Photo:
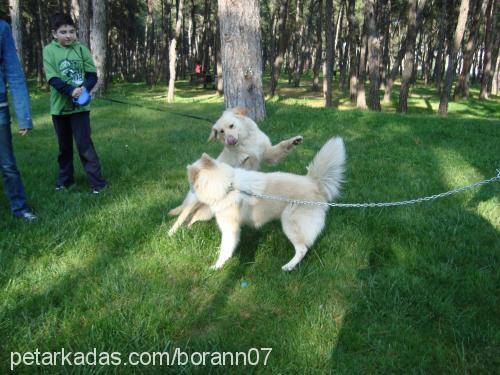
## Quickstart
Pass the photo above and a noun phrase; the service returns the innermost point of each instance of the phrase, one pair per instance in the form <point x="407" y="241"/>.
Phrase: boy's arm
<point x="61" y="86"/>
<point x="90" y="80"/>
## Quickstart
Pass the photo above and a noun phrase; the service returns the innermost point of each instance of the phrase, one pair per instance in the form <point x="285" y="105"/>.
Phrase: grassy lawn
<point x="410" y="289"/>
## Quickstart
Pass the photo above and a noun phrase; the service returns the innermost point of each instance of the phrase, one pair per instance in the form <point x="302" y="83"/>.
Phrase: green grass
<point x="394" y="290"/>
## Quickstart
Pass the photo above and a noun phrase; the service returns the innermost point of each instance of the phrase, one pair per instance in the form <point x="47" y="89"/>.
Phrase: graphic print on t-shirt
<point x="72" y="69"/>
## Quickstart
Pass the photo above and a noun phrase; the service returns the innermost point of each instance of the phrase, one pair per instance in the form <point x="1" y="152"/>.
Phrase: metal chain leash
<point x="379" y="204"/>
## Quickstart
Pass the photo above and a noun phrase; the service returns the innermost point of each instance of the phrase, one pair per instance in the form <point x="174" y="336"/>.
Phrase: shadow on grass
<point x="424" y="302"/>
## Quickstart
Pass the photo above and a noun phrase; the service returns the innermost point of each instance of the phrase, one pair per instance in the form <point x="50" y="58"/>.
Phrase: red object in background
<point x="197" y="69"/>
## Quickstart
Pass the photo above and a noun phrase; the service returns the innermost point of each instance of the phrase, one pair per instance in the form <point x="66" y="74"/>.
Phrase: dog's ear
<point x="213" y="135"/>
<point x="207" y="162"/>
<point x="241" y="111"/>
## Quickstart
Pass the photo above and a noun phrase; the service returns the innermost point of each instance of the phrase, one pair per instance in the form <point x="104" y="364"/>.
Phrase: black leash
<point x="157" y="109"/>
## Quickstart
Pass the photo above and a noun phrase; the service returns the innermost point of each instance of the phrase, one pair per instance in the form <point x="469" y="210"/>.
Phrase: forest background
<point x="357" y="46"/>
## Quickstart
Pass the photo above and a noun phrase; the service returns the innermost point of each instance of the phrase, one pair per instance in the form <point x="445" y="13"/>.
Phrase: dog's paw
<point x="297" y="140"/>
<point x="174" y="212"/>
<point x="172" y="231"/>
<point x="216" y="267"/>
<point x="288" y="267"/>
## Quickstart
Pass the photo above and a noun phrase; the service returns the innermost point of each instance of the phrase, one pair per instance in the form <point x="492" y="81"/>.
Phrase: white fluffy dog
<point x="245" y="146"/>
<point x="228" y="192"/>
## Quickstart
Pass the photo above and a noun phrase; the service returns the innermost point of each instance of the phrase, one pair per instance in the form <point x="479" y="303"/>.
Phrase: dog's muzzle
<point x="231" y="141"/>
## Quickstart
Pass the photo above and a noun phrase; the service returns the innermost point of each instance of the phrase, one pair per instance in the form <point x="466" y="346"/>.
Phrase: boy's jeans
<point x="13" y="185"/>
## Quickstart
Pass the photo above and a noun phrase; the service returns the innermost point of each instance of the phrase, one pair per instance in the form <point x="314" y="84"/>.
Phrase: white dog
<point x="228" y="192"/>
<point x="245" y="146"/>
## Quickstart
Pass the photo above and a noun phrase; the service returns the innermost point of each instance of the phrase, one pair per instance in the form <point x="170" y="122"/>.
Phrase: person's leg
<point x="12" y="179"/>
<point x="80" y="123"/>
<point x="62" y="126"/>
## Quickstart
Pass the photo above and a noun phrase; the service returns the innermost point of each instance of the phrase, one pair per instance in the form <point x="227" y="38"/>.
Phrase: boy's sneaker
<point x="29" y="216"/>
<point x="62" y="187"/>
<point x="98" y="190"/>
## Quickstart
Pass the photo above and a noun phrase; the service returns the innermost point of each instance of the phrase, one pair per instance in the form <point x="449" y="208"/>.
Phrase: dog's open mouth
<point x="231" y="141"/>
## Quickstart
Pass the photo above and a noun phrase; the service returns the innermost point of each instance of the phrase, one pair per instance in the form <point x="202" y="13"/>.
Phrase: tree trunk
<point x="319" y="47"/>
<point x="149" y="50"/>
<point x="327" y="75"/>
<point x="457" y="41"/>
<point x="488" y="49"/>
<point x="418" y="57"/>
<point x="338" y="33"/>
<point x="385" y="24"/>
<point x="394" y="72"/>
<point x="204" y="49"/>
<point x="17" y="34"/>
<point x="300" y="50"/>
<point x="402" y="52"/>
<point x="492" y="88"/>
<point x="462" y="87"/>
<point x="353" y="66"/>
<point x="241" y="53"/>
<point x="84" y="22"/>
<point x="438" y="68"/>
<point x="360" y="87"/>
<point x="283" y="41"/>
<point x="173" y="52"/>
<point x="428" y="60"/>
<point x="41" y="41"/>
<point x="496" y="79"/>
<point x="218" y="57"/>
<point x="411" y="36"/>
<point x="98" y="43"/>
<point x="193" y="50"/>
<point x="373" y="53"/>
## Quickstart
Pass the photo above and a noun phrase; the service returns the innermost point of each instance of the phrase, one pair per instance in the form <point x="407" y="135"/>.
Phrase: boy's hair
<point x="61" y="19"/>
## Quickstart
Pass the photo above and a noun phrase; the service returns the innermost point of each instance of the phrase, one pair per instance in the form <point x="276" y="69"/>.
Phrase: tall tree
<point x="452" y="56"/>
<point x="15" y="16"/>
<point x="173" y="52"/>
<point x="488" y="48"/>
<point x="99" y="43"/>
<point x="443" y="23"/>
<point x="373" y="53"/>
<point x="241" y="54"/>
<point x="385" y="25"/>
<point x="409" y="60"/>
<point x="462" y="87"/>
<point x="150" y="44"/>
<point x="302" y="45"/>
<point x="84" y="22"/>
<point x="41" y="42"/>
<point x="283" y="41"/>
<point x="360" y="87"/>
<point x="353" y="66"/>
<point x="318" y="55"/>
<point x="218" y="59"/>
<point x="328" y="67"/>
<point x="396" y="65"/>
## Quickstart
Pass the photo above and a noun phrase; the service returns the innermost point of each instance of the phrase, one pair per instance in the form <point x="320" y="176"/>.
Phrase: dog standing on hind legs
<point x="245" y="146"/>
<point x="229" y="192"/>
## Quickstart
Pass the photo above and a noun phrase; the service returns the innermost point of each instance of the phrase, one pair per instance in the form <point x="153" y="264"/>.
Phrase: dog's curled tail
<point x="327" y="168"/>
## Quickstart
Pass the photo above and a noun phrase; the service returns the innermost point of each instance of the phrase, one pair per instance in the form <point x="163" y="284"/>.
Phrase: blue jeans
<point x="13" y="185"/>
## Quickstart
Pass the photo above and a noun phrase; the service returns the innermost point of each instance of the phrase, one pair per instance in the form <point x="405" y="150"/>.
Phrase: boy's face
<point x="65" y="35"/>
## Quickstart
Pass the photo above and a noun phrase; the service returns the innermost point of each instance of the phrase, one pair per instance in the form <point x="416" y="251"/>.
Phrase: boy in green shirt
<point x="70" y="70"/>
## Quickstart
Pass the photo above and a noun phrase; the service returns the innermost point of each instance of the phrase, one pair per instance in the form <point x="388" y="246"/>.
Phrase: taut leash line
<point x="378" y="204"/>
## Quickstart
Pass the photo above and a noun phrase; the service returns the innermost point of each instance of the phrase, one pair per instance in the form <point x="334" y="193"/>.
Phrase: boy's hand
<point x="24" y="132"/>
<point x="76" y="92"/>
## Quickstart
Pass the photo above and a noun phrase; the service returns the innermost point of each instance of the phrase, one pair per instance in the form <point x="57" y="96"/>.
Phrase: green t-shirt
<point x="69" y="64"/>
